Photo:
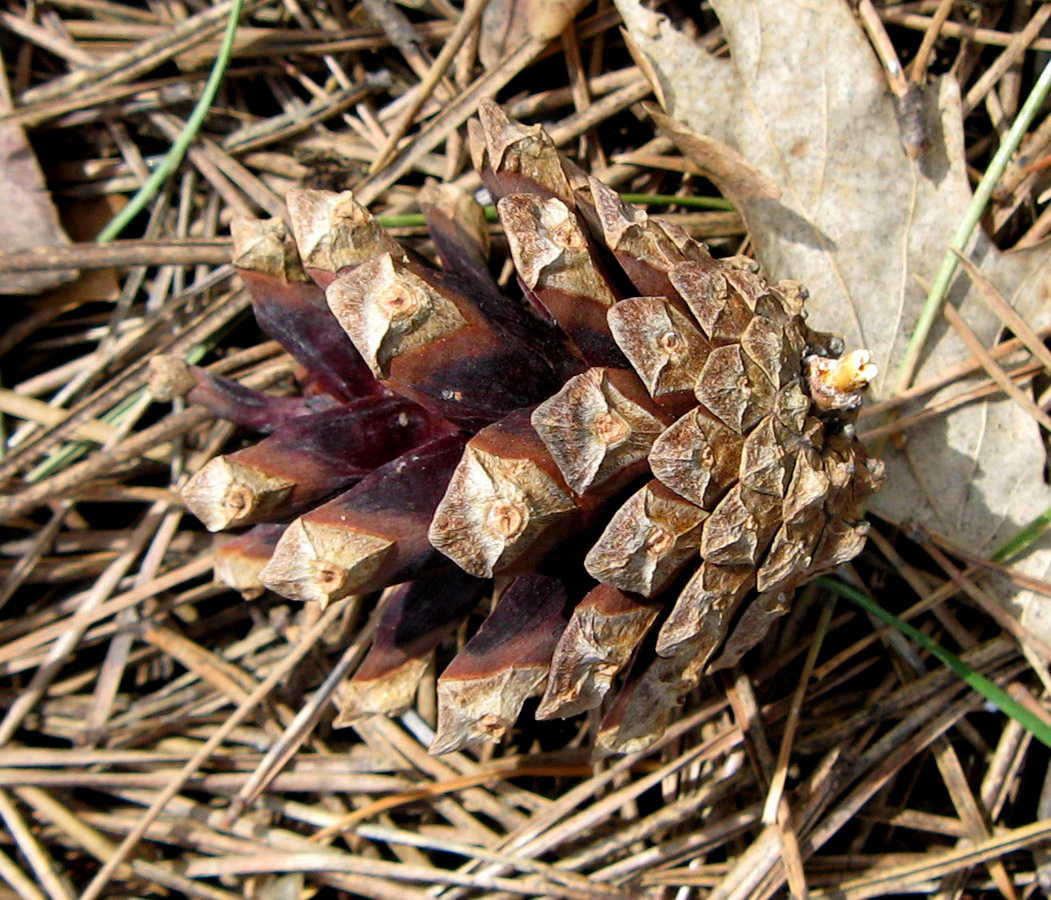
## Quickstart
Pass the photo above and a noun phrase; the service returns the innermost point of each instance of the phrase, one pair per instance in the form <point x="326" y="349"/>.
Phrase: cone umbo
<point x="646" y="446"/>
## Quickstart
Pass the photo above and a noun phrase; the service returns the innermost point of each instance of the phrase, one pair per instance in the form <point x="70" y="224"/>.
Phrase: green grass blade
<point x="978" y="682"/>
<point x="671" y="200"/>
<point x="66" y="454"/>
<point x="175" y="155"/>
<point x="1024" y="538"/>
<point x="940" y="286"/>
<point x="415" y="220"/>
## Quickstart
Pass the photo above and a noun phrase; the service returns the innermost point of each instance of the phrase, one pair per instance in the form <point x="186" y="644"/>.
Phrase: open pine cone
<point x="650" y="459"/>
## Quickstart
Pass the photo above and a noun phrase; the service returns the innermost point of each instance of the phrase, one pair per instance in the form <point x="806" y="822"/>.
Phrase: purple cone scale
<point x="630" y="458"/>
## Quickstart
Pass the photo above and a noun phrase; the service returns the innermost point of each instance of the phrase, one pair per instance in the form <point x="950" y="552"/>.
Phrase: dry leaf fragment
<point x="506" y="23"/>
<point x="802" y="100"/>
<point x="719" y="162"/>
<point x="30" y="218"/>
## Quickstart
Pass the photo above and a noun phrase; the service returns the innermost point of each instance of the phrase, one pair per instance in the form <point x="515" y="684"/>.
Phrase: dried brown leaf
<point x="804" y="101"/>
<point x="507" y="23"/>
<point x="30" y="218"/>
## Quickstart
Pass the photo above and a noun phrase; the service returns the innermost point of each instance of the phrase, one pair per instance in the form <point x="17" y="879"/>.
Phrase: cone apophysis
<point x="647" y="446"/>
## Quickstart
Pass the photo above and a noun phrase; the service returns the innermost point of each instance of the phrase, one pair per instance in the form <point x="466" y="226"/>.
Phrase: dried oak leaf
<point x="802" y="99"/>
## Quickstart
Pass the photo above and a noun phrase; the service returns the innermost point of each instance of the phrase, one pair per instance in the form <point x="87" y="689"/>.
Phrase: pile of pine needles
<point x="162" y="736"/>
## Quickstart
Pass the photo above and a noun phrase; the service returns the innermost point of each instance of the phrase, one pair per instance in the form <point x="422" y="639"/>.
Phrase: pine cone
<point x="653" y="446"/>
